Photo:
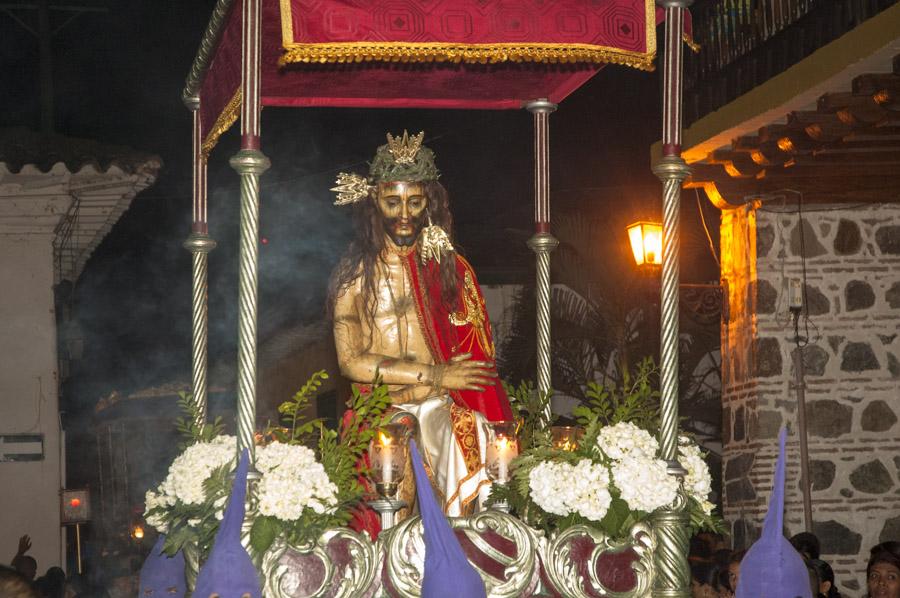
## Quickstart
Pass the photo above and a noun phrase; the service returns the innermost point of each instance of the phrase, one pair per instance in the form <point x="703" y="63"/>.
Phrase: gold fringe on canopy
<point x="227" y="117"/>
<point x="466" y="53"/>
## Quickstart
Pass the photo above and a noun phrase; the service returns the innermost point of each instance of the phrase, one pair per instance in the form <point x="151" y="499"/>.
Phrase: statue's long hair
<point x="362" y="256"/>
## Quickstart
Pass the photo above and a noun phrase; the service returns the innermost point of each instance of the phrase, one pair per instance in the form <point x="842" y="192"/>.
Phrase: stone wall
<point x="852" y="364"/>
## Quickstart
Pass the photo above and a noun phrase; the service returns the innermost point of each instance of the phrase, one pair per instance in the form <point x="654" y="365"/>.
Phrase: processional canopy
<point x="476" y="54"/>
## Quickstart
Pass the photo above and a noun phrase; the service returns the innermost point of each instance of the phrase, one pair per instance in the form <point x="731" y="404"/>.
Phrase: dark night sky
<point x="118" y="78"/>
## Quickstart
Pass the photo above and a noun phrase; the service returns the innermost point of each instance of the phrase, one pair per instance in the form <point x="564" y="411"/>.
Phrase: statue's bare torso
<point x="391" y="335"/>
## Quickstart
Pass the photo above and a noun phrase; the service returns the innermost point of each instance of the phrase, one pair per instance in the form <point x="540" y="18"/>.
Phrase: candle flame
<point x="384" y="439"/>
<point x="502" y="443"/>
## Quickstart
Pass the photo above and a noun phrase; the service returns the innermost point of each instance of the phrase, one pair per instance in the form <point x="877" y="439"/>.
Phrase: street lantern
<point x="646" y="243"/>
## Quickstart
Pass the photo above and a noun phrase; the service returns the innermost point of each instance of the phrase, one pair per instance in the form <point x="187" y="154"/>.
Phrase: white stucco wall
<point x="29" y="491"/>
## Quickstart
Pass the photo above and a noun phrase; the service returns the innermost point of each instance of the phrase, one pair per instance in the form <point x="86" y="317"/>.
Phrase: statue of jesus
<point x="407" y="306"/>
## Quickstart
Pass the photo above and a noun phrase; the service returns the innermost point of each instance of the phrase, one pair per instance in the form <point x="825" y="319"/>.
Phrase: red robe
<point x="463" y="330"/>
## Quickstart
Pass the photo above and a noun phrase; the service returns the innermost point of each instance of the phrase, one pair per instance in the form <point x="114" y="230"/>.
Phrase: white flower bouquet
<point x="612" y="477"/>
<point x="298" y="494"/>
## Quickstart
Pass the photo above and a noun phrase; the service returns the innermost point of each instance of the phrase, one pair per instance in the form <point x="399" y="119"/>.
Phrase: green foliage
<point x="635" y="401"/>
<point x="701" y="522"/>
<point x="188" y="427"/>
<point x="532" y="411"/>
<point x="295" y="430"/>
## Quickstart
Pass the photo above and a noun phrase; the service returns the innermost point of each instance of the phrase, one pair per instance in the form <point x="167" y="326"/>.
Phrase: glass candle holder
<point x="502" y="448"/>
<point x="566" y="438"/>
<point x="387" y="458"/>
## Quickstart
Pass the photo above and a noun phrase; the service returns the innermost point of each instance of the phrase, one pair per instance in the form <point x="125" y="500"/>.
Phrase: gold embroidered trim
<point x="690" y="42"/>
<point x="474" y="314"/>
<point x="465" y="430"/>
<point x="227" y="117"/>
<point x="467" y="53"/>
<point x="287" y="23"/>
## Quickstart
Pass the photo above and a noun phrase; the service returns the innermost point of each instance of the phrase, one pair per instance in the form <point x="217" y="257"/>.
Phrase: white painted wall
<point x="29" y="491"/>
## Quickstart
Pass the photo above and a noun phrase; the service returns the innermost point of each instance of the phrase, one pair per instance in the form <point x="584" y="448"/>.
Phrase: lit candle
<point x="387" y="458"/>
<point x="503" y="451"/>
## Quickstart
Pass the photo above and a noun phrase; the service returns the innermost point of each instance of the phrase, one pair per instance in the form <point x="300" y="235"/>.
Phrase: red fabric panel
<point x="389" y="85"/>
<point x="408" y="85"/>
<point x="223" y="77"/>
<point x="618" y="24"/>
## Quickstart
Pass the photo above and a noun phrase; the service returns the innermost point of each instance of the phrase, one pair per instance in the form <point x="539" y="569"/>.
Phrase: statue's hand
<point x="464" y="373"/>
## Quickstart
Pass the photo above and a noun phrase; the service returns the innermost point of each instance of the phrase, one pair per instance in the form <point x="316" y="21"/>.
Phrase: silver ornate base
<point x="513" y="559"/>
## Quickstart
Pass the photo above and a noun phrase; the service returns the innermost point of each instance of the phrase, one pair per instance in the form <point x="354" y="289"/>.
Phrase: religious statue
<point x="408" y="307"/>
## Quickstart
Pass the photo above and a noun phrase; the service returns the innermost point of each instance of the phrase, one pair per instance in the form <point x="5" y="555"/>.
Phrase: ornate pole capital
<point x="199" y="243"/>
<point x="674" y="3"/>
<point x="671" y="167"/>
<point x="192" y="102"/>
<point x="250" y="161"/>
<point x="540" y="106"/>
<point x="543" y="243"/>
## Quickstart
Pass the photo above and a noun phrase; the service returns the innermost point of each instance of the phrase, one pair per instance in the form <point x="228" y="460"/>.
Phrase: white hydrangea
<point x="292" y="480"/>
<point x="626" y="439"/>
<point x="562" y="488"/>
<point x="547" y="482"/>
<point x="192" y="467"/>
<point x="590" y="487"/>
<point x="643" y="483"/>
<point x="184" y="482"/>
<point x="156" y="521"/>
<point x="697" y="482"/>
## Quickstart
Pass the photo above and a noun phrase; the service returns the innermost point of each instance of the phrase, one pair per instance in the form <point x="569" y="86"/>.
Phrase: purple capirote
<point x="162" y="576"/>
<point x="448" y="573"/>
<point x="772" y="568"/>
<point x="229" y="572"/>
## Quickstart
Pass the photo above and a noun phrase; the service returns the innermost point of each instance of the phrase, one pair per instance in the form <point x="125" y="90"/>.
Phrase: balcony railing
<point x="746" y="42"/>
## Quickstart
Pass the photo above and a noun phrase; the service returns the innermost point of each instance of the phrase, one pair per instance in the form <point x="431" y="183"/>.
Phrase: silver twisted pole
<point x="543" y="242"/>
<point x="671" y="523"/>
<point x="249" y="164"/>
<point x="199" y="244"/>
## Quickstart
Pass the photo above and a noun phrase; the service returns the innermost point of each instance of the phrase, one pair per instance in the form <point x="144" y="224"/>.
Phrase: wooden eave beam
<point x="733" y="192"/>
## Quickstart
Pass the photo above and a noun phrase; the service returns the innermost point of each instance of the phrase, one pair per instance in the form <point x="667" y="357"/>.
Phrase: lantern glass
<point x="646" y="243"/>
<point x="566" y="438"/>
<point x="387" y="458"/>
<point x="502" y="448"/>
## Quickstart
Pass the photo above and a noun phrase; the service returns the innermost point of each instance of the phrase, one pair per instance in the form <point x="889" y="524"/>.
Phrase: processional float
<point x="460" y="54"/>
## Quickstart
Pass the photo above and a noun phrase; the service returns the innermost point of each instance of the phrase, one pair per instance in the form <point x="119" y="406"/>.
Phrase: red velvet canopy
<point x="424" y="53"/>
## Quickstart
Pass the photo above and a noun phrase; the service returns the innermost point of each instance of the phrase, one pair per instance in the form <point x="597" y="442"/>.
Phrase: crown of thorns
<point x="402" y="158"/>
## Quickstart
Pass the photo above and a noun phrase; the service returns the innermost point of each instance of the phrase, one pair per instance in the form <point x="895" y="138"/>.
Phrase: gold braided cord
<point x="227" y="117"/>
<point x="466" y="53"/>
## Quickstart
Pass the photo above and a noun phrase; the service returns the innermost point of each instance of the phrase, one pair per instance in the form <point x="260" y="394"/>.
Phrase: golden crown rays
<point x="350" y="188"/>
<point x="405" y="148"/>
